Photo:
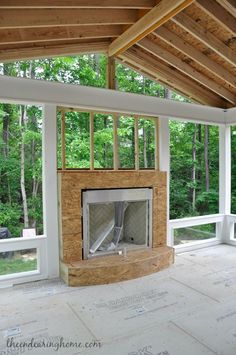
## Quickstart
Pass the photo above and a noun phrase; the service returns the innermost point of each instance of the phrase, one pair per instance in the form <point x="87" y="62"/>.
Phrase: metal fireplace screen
<point x="116" y="220"/>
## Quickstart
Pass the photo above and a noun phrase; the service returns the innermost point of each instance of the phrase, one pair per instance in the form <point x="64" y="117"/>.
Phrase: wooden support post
<point x="111" y="84"/>
<point x="91" y="140"/>
<point x="156" y="123"/>
<point x="136" y="143"/>
<point x="63" y="141"/>
<point x="111" y="73"/>
<point x="116" y="160"/>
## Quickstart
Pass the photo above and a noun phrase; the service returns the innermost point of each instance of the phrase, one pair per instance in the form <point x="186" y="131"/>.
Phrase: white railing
<point x="17" y="244"/>
<point x="218" y="219"/>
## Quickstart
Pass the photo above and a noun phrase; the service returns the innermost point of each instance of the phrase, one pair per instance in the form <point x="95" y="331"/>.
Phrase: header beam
<point x="21" y="90"/>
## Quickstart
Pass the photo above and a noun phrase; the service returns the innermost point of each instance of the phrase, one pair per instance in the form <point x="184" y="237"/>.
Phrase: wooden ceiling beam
<point x="65" y="17"/>
<point x="49" y="4"/>
<point x="25" y="35"/>
<point x="229" y="5"/>
<point x="156" y="17"/>
<point x="216" y="11"/>
<point x="200" y="33"/>
<point x="184" y="47"/>
<point x="46" y="51"/>
<point x="170" y="77"/>
<point x="186" y="69"/>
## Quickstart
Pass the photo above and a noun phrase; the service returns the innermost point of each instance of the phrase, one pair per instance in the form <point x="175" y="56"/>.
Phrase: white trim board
<point x="231" y="116"/>
<point x="39" y="92"/>
<point x="196" y="221"/>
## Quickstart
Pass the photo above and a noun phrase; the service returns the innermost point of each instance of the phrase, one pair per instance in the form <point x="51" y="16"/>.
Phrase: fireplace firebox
<point x="116" y="221"/>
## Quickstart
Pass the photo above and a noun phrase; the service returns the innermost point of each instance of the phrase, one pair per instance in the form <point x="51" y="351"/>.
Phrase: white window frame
<point x="15" y="244"/>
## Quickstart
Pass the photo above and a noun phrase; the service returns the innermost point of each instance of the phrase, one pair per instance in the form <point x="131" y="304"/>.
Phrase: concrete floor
<point x="188" y="309"/>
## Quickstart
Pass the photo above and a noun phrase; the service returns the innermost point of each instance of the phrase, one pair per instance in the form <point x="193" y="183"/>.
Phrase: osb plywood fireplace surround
<point x="110" y="268"/>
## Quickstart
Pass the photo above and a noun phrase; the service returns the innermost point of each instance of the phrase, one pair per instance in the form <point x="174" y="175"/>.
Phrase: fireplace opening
<point x="116" y="221"/>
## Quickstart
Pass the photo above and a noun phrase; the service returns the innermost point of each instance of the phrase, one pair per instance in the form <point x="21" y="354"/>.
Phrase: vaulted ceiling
<point x="189" y="46"/>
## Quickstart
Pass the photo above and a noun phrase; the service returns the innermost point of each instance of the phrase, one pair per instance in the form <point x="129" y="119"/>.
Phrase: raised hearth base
<point x="115" y="268"/>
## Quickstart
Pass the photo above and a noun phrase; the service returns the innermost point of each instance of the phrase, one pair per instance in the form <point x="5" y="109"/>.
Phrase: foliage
<point x="233" y="172"/>
<point x="182" y="163"/>
<point x="10" y="215"/>
<point x="11" y="265"/>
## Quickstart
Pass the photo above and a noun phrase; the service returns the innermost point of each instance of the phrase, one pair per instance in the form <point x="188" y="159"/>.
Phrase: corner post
<point x="164" y="165"/>
<point x="225" y="232"/>
<point x="50" y="199"/>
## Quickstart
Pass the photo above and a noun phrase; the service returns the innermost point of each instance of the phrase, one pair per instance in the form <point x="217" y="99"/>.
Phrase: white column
<point x="164" y="165"/>
<point x="225" y="179"/>
<point x="50" y="188"/>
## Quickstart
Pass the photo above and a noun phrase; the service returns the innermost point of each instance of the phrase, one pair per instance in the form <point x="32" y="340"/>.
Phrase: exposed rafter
<point x="200" y="58"/>
<point x="223" y="17"/>
<point x="167" y="75"/>
<point x="46" y="51"/>
<point x="205" y="37"/>
<point x="185" y="68"/>
<point x="116" y="4"/>
<point x="24" y="35"/>
<point x="152" y="76"/>
<point x="62" y="17"/>
<point x="160" y="14"/>
<point x="229" y="5"/>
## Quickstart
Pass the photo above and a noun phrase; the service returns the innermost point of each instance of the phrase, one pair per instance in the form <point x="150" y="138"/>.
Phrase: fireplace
<point x="116" y="221"/>
<point x="112" y="225"/>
